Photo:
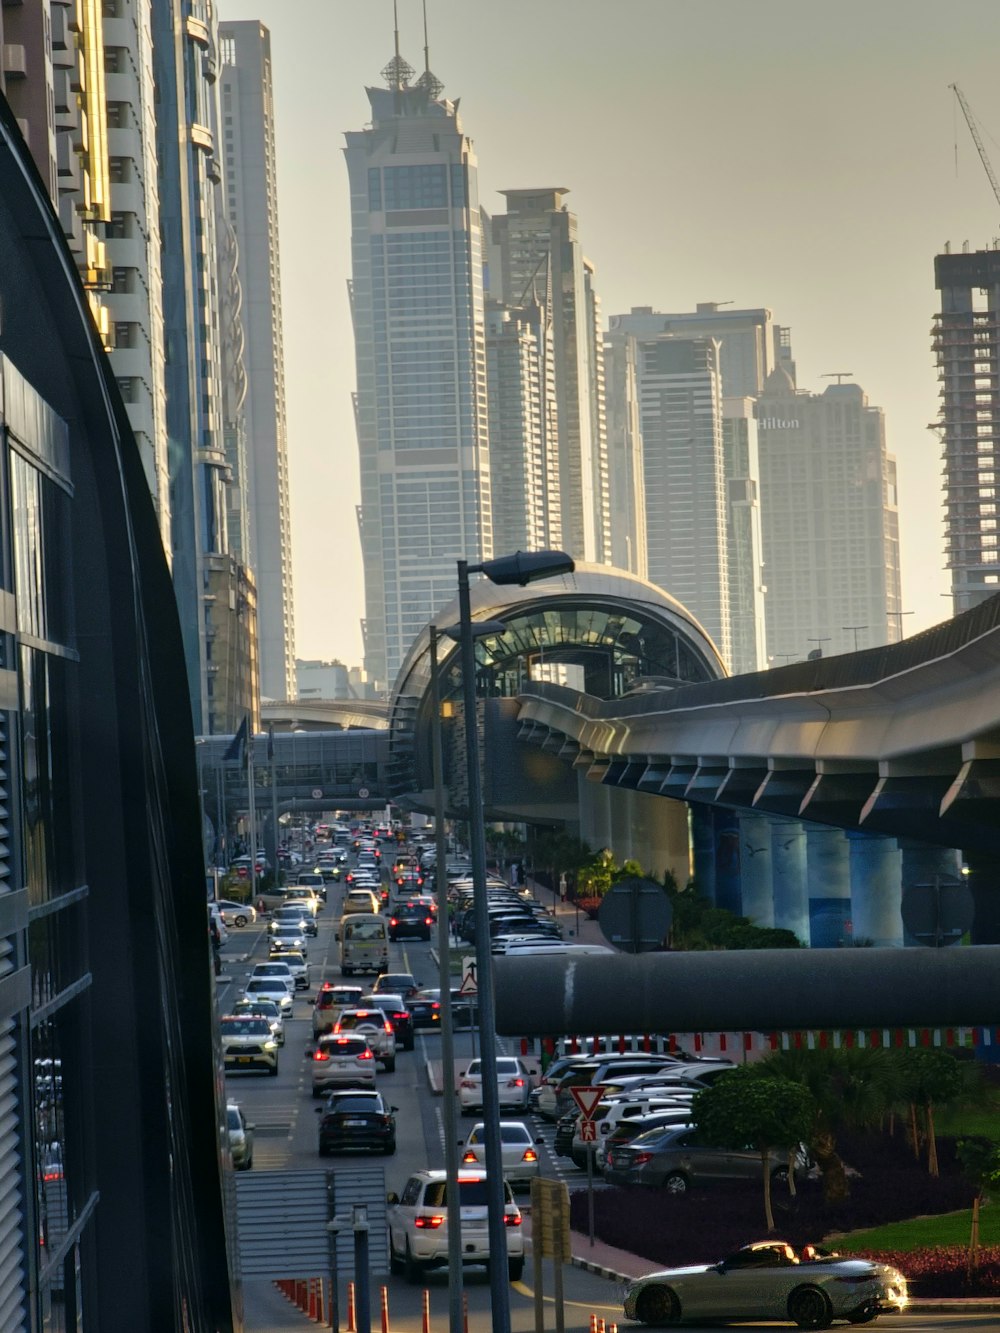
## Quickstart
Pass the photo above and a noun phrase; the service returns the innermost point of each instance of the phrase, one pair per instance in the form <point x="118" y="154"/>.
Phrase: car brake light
<point x="405" y="1014"/>
<point x="512" y="1219"/>
<point x="466" y="1083"/>
<point x="435" y="1005"/>
<point x="529" y="1155"/>
<point x="428" y="921"/>
<point x="321" y="1055"/>
<point x="470" y="1157"/>
<point x="431" y="1222"/>
<point x="641" y="1158"/>
<point x="515" y="1083"/>
<point x="388" y="1026"/>
<point x="365" y="1055"/>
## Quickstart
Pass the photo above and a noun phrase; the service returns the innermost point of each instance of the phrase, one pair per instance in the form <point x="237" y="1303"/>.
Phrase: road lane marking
<point x="523" y="1289"/>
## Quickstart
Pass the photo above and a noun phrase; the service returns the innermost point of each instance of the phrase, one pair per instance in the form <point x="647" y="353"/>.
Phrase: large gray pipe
<point x="748" y="991"/>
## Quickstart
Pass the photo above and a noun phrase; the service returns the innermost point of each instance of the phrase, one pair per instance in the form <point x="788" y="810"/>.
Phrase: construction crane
<point x="970" y="120"/>
<point x="838" y="375"/>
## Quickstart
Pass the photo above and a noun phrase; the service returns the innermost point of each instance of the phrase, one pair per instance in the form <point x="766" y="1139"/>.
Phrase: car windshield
<point x="508" y="1134"/>
<point x="245" y="1027"/>
<point x="233" y="1118"/>
<point x="354" y="1105"/>
<point x="365" y="930"/>
<point x="472" y="1193"/>
<point x="345" y="1046"/>
<point x="370" y="1018"/>
<point x="269" y="985"/>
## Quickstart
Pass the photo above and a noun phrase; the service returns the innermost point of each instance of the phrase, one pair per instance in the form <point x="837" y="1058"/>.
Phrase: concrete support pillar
<point x="620" y="809"/>
<point x="755" y="869"/>
<point x="828" y="872"/>
<point x="788" y="868"/>
<point x="595" y="813"/>
<point x="921" y="863"/>
<point x="703" y="850"/>
<point x="876" y="890"/>
<point x="659" y="836"/>
<point x="983" y="880"/>
<point x="726" y="826"/>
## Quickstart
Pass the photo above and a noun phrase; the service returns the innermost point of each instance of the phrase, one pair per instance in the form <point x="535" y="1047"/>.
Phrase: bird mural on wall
<point x="754" y="850"/>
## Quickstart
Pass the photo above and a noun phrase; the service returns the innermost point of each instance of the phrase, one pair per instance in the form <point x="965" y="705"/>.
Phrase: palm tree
<point x="851" y="1088"/>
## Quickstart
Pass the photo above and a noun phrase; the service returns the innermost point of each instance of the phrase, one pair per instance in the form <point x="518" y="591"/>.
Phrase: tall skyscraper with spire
<point x="420" y="345"/>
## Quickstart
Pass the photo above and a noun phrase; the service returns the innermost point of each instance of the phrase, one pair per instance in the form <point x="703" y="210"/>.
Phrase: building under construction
<point x="966" y="341"/>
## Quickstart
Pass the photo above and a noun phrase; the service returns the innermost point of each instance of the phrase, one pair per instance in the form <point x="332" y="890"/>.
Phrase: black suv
<point x="354" y="1119"/>
<point x="410" y="921"/>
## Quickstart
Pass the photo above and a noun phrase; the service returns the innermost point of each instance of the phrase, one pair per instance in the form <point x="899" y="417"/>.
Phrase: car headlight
<point x="270" y="1046"/>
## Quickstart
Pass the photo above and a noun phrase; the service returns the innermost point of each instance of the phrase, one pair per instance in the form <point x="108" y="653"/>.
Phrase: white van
<point x="364" y="943"/>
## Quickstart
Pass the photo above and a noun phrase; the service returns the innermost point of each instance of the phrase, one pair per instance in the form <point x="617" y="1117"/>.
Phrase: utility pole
<point x="899" y="621"/>
<point x="818" y="650"/>
<point x="855" y="628"/>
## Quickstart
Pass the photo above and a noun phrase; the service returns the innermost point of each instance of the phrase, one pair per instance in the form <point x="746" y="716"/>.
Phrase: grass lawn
<point x="925" y="1232"/>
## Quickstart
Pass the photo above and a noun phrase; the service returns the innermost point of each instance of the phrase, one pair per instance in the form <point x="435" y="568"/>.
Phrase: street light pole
<point x="496" y="1227"/>
<point x="522" y="568"/>
<point x="456" y="1321"/>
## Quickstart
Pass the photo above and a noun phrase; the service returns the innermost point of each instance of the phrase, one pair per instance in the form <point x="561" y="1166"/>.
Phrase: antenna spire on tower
<point x="428" y="81"/>
<point x="397" y="73"/>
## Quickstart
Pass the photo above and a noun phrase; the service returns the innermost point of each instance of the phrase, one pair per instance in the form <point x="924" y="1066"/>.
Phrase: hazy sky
<point x="783" y="153"/>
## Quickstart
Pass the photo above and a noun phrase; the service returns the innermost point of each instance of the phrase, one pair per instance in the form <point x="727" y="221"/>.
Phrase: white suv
<point x="418" y="1224"/>
<point x="376" y="1029"/>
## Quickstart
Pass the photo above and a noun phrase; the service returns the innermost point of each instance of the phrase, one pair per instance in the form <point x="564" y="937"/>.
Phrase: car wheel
<point x="676" y="1183"/>
<point x="515" y="1269"/>
<point x="657" y="1305"/>
<point x="389" y="1148"/>
<point x="390" y="1066"/>
<point x="240" y="920"/>
<point x="346" y="971"/>
<point x="410" y="1044"/>
<point x="395" y="1263"/>
<point x="810" y="1308"/>
<point x="273" y="1071"/>
<point x="411" y="1269"/>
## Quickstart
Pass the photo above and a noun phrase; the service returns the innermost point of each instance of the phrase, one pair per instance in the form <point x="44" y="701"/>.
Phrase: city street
<point x="284" y="1113"/>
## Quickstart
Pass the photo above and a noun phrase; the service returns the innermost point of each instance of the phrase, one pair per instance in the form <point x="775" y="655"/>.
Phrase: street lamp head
<point x="525" y="567"/>
<point x="480" y="629"/>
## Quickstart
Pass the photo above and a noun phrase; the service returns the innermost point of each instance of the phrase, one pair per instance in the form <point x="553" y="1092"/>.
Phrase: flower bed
<point x="944" y="1270"/>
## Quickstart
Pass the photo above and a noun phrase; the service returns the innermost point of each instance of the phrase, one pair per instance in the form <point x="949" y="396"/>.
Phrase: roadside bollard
<point x="593" y="1323"/>
<point x="426" y="1325"/>
<point x="600" y="1326"/>
<point x="385" y="1308"/>
<point x="351" y="1325"/>
<point x="465" y="1312"/>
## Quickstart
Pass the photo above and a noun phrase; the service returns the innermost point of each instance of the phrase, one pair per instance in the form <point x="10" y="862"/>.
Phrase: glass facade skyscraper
<point x="421" y="405"/>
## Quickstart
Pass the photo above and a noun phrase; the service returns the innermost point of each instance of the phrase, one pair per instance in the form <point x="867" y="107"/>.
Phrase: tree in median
<point x="746" y="1106"/>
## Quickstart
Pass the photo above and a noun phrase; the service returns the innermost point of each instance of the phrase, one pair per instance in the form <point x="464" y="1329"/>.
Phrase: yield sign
<point x="587" y="1099"/>
<point x="469" y="985"/>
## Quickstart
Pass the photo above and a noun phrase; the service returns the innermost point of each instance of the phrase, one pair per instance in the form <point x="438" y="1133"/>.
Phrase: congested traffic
<point x="330" y="992"/>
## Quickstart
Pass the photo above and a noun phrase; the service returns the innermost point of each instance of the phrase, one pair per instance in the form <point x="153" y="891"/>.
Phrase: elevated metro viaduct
<point x="807" y="797"/>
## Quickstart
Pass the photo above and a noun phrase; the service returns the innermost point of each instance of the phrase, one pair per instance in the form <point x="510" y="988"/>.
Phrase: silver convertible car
<point x="768" y="1280"/>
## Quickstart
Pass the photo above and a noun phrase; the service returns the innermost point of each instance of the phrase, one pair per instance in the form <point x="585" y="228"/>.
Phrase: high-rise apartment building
<point x="535" y="256"/>
<point x="519" y="472"/>
<point x="966" y="338"/>
<point x="135" y="300"/>
<point x="188" y="143"/>
<point x="746" y="338"/>
<point x="829" y="520"/>
<point x="679" y="388"/>
<point x="419" y="328"/>
<point x="251" y="207"/>
<point x="743" y="533"/>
